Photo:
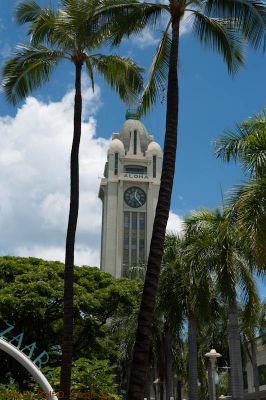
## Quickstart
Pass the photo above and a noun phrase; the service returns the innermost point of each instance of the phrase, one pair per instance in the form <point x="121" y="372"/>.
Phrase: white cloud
<point x="149" y="37"/>
<point x="145" y="39"/>
<point x="174" y="224"/>
<point x="57" y="253"/>
<point x="34" y="186"/>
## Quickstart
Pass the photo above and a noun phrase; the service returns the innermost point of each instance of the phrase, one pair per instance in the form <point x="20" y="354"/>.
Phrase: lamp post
<point x="157" y="384"/>
<point x="212" y="356"/>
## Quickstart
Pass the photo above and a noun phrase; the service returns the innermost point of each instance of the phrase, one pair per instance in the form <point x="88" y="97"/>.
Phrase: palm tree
<point x="199" y="300"/>
<point x="186" y="292"/>
<point x="218" y="24"/>
<point x="74" y="33"/>
<point x="247" y="145"/>
<point x="219" y="243"/>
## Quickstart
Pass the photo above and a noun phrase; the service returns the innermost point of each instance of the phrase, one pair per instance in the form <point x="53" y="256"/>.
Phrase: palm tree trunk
<point x="193" y="358"/>
<point x="236" y="370"/>
<point x="140" y="365"/>
<point x="255" y="369"/>
<point x="169" y="386"/>
<point x="179" y="390"/>
<point x="67" y="346"/>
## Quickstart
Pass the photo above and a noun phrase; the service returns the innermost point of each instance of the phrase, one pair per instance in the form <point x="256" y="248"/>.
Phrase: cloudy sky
<point x="35" y="140"/>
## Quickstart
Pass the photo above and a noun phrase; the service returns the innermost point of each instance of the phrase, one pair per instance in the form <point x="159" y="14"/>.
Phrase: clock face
<point x="135" y="197"/>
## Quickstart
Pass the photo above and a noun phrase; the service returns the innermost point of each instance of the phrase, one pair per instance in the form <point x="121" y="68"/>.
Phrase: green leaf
<point x="29" y="68"/>
<point x="219" y="34"/>
<point x="121" y="74"/>
<point x="27" y="11"/>
<point x="158" y="74"/>
<point x="249" y="16"/>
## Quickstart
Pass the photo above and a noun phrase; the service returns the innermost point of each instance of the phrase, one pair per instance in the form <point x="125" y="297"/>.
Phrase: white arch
<point x="30" y="366"/>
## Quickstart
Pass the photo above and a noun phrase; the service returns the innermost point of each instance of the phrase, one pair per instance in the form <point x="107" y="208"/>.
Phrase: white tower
<point x="129" y="192"/>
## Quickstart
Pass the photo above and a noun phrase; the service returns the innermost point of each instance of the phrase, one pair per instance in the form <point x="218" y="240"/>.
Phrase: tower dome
<point x="154" y="149"/>
<point x="129" y="127"/>
<point x="116" y="146"/>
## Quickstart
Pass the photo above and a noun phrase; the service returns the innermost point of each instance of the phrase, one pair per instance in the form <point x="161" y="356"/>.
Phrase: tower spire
<point x="133" y="113"/>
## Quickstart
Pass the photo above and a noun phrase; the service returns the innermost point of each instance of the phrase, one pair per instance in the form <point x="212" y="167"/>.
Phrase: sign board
<point x="135" y="176"/>
<point x="28" y="349"/>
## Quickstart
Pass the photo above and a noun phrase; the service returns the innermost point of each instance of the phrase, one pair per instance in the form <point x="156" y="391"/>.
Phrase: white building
<point x="129" y="193"/>
<point x="248" y="375"/>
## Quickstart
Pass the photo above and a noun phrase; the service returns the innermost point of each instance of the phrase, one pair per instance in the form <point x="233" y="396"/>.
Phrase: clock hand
<point x="137" y="198"/>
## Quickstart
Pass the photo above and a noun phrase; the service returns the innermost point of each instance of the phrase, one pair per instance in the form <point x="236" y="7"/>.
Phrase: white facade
<point x="261" y="363"/>
<point x="129" y="193"/>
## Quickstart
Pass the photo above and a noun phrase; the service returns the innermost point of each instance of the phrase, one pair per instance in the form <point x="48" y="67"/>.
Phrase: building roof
<point x="128" y="128"/>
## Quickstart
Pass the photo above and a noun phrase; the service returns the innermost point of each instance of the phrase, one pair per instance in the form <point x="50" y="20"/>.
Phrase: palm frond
<point x="27" y="11"/>
<point x="246" y="283"/>
<point x="249" y="202"/>
<point x="29" y="68"/>
<point x="218" y="34"/>
<point x="246" y="144"/>
<point x="158" y="74"/>
<point x="121" y="74"/>
<point x="229" y="145"/>
<point x="42" y="28"/>
<point x="249" y="16"/>
<point x="129" y="17"/>
<point x="89" y="69"/>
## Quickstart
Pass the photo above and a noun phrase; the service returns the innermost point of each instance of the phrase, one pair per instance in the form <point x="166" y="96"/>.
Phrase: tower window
<point x="134" y="241"/>
<point x="134" y="237"/>
<point x="154" y="166"/>
<point x="116" y="163"/>
<point x="141" y="237"/>
<point x="135" y="169"/>
<point x="135" y="142"/>
<point x="126" y="240"/>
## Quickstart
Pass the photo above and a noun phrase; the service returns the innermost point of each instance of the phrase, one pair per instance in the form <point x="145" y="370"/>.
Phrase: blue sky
<point x="210" y="102"/>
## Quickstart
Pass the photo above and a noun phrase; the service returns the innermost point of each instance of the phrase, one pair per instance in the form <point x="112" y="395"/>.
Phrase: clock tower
<point x="129" y="193"/>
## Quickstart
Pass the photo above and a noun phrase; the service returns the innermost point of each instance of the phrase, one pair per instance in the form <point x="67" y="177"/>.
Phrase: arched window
<point x="154" y="166"/>
<point x="262" y="374"/>
<point x="135" y="142"/>
<point x="116" y="163"/>
<point x="135" y="169"/>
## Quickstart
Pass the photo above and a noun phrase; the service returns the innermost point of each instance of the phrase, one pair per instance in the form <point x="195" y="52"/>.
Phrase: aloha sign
<point x="28" y="349"/>
<point x="135" y="176"/>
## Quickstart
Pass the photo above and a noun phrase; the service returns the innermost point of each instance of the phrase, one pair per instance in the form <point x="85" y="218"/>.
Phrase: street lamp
<point x="157" y="384"/>
<point x="212" y="356"/>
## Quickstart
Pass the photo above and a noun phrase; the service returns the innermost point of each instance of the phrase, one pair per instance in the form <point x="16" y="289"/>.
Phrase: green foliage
<point x="247" y="145"/>
<point x="88" y="376"/>
<point x="11" y="394"/>
<point x="31" y="299"/>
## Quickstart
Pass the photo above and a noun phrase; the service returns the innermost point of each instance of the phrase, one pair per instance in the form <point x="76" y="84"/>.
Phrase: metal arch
<point x="30" y="367"/>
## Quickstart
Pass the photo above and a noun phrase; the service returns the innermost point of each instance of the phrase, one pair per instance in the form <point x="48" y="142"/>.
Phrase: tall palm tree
<point x="218" y="24"/>
<point x="186" y="292"/>
<point x="74" y="33"/>
<point x="199" y="298"/>
<point x="170" y="310"/>
<point x="247" y="145"/>
<point x="227" y="252"/>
